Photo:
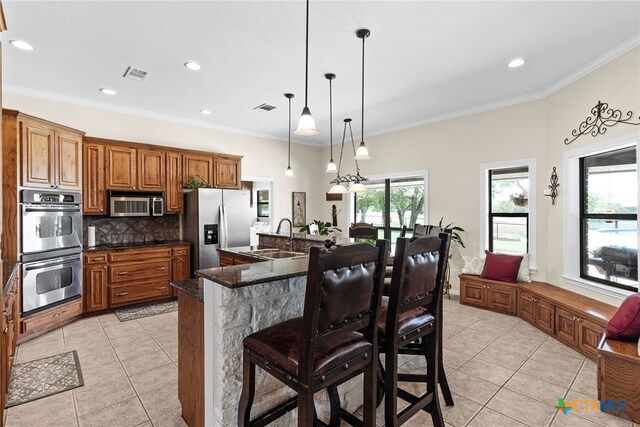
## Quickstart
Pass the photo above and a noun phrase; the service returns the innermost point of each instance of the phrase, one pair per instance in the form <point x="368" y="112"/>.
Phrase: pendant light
<point x="306" y="124"/>
<point x="355" y="180"/>
<point x="331" y="167"/>
<point x="362" y="153"/>
<point x="289" y="172"/>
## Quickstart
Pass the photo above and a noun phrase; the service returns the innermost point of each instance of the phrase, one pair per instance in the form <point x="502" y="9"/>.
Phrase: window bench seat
<point x="576" y="320"/>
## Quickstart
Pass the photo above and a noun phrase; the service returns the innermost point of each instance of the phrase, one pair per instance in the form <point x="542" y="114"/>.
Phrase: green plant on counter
<point x="195" y="182"/>
<point x="324" y="228"/>
<point x="455" y="237"/>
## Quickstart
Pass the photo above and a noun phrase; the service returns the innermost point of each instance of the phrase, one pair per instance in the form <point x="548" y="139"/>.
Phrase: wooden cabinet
<point x="538" y="312"/>
<point x="174" y="197"/>
<point x="150" y="167"/>
<point x="51" y="155"/>
<point x="51" y="319"/>
<point x="589" y="337"/>
<point x="489" y="294"/>
<point x="227" y="172"/>
<point x="95" y="281"/>
<point x="10" y="318"/>
<point x="93" y="188"/>
<point x="180" y="266"/>
<point x="121" y="168"/>
<point x="574" y="330"/>
<point x="618" y="377"/>
<point x="566" y="327"/>
<point x="232" y="258"/>
<point x="197" y="165"/>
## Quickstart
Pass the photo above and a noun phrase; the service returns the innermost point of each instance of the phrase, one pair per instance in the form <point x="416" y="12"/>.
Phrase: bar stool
<point x="422" y="230"/>
<point x="334" y="340"/>
<point x="410" y="324"/>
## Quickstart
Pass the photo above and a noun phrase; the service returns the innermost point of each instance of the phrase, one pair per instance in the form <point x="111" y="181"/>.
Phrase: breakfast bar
<point x="235" y="302"/>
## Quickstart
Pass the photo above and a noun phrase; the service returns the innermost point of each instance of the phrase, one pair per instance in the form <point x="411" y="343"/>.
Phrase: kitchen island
<point x="236" y="301"/>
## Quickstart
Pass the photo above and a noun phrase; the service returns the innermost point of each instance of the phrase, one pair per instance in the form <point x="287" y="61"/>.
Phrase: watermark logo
<point x="582" y="405"/>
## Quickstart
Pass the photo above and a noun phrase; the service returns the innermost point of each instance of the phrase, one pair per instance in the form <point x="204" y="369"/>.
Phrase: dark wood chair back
<point x="343" y="295"/>
<point x="363" y="230"/>
<point x="418" y="274"/>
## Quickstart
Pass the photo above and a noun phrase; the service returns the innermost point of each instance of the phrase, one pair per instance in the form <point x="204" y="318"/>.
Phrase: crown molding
<point x="65" y="99"/>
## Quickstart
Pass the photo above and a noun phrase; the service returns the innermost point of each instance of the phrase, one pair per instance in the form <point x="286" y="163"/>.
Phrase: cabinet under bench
<point x="114" y="278"/>
<point x="576" y="320"/>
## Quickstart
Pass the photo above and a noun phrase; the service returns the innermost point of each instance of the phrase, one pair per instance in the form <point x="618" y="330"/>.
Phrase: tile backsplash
<point x="133" y="230"/>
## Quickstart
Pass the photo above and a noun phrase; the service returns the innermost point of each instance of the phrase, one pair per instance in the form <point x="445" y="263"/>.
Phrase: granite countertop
<point x="238" y="276"/>
<point x="133" y="245"/>
<point x="306" y="236"/>
<point x="192" y="287"/>
<point x="8" y="270"/>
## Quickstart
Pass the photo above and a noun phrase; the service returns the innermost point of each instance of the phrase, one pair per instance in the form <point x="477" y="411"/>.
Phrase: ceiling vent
<point x="265" y="107"/>
<point x="135" y="74"/>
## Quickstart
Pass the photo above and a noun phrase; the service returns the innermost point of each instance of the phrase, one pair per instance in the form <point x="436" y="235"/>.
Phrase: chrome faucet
<point x="290" y="227"/>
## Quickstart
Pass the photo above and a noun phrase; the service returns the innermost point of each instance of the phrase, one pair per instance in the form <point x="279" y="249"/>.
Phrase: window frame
<point x="585" y="216"/>
<point x="387" y="213"/>
<point x="259" y="204"/>
<point x="571" y="200"/>
<point x="485" y="206"/>
<point x="492" y="215"/>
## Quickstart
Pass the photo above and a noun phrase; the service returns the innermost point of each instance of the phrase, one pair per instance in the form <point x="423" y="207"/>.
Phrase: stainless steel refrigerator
<point x="215" y="219"/>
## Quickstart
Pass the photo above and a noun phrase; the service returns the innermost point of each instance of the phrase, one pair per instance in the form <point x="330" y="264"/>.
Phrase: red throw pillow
<point x="501" y="267"/>
<point x="625" y="324"/>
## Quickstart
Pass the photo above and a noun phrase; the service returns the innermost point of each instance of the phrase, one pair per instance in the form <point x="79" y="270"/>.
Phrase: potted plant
<point x="324" y="228"/>
<point x="195" y="182"/>
<point x="455" y="237"/>
<point x="521" y="200"/>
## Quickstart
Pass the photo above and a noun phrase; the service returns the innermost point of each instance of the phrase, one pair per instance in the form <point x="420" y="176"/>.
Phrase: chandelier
<point x="355" y="180"/>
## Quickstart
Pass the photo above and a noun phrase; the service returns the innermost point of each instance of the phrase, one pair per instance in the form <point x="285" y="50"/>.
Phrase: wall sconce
<point x="552" y="189"/>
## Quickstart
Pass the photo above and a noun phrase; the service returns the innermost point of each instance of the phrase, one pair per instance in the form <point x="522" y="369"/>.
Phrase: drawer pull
<point x="97" y="259"/>
<point x="56" y="315"/>
<point x="161" y="268"/>
<point x="5" y="330"/>
<point x="122" y="273"/>
<point x="121" y="294"/>
<point x="180" y="259"/>
<point x="160" y="288"/>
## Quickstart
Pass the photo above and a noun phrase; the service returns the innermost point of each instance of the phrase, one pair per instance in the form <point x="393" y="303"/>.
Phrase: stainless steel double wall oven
<point x="50" y="247"/>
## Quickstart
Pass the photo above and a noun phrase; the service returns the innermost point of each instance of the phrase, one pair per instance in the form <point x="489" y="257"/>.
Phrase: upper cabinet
<point x="197" y="165"/>
<point x="51" y="155"/>
<point x="174" y="199"/>
<point x="121" y="168"/>
<point x="226" y="172"/>
<point x="150" y="167"/>
<point x="93" y="188"/>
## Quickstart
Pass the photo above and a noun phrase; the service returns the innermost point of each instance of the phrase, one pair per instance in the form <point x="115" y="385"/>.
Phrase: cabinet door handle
<point x="180" y="259"/>
<point x="56" y="315"/>
<point x="122" y="273"/>
<point x="160" y="287"/>
<point x="97" y="259"/>
<point x="161" y="268"/>
<point x="121" y="294"/>
<point x="5" y="330"/>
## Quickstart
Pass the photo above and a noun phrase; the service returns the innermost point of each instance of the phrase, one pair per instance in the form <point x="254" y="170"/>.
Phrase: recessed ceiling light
<point x="192" y="66"/>
<point x="515" y="63"/>
<point x="107" y="91"/>
<point x="205" y="111"/>
<point x="20" y="44"/>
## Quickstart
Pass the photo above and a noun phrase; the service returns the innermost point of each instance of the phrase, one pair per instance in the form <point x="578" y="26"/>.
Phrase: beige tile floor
<point x="502" y="371"/>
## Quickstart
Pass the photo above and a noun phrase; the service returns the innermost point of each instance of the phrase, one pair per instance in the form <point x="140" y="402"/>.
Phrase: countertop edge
<point x="192" y="288"/>
<point x="243" y="284"/>
<point x="98" y="248"/>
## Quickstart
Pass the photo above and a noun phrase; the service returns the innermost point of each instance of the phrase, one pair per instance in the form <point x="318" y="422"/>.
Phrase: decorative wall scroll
<point x="553" y="187"/>
<point x="603" y="117"/>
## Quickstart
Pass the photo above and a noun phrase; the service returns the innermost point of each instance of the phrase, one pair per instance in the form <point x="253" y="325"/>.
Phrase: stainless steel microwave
<point x="136" y="205"/>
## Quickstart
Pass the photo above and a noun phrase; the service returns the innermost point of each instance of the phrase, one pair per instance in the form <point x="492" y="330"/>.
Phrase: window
<point x="391" y="204"/>
<point x="608" y="218"/>
<point x="263" y="203"/>
<point x="509" y="210"/>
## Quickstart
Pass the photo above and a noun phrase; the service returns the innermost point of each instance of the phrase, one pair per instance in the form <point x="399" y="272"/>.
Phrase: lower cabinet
<point x="10" y="316"/>
<point x="536" y="311"/>
<point x="118" y="278"/>
<point x="566" y="327"/>
<point x="230" y="258"/>
<point x="485" y="294"/>
<point x="577" y="332"/>
<point x="52" y="318"/>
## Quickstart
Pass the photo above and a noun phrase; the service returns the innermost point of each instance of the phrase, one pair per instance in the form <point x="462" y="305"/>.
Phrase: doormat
<point x="146" y="311"/>
<point x="44" y="377"/>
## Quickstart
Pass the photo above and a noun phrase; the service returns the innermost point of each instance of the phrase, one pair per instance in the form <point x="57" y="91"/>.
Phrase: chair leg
<point x="444" y="385"/>
<point x="306" y="408"/>
<point x="334" y="403"/>
<point x="391" y="386"/>
<point x="248" y="391"/>
<point x="430" y="347"/>
<point x="369" y="395"/>
<point x="380" y="392"/>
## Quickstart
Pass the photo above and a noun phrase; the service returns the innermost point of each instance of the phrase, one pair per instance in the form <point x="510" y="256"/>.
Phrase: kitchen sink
<point x="274" y="253"/>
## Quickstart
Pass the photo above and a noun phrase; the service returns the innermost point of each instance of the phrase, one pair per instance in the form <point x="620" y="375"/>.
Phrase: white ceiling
<point x="424" y="60"/>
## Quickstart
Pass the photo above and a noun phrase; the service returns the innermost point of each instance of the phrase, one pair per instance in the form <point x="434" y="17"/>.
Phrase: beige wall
<point x="451" y="151"/>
